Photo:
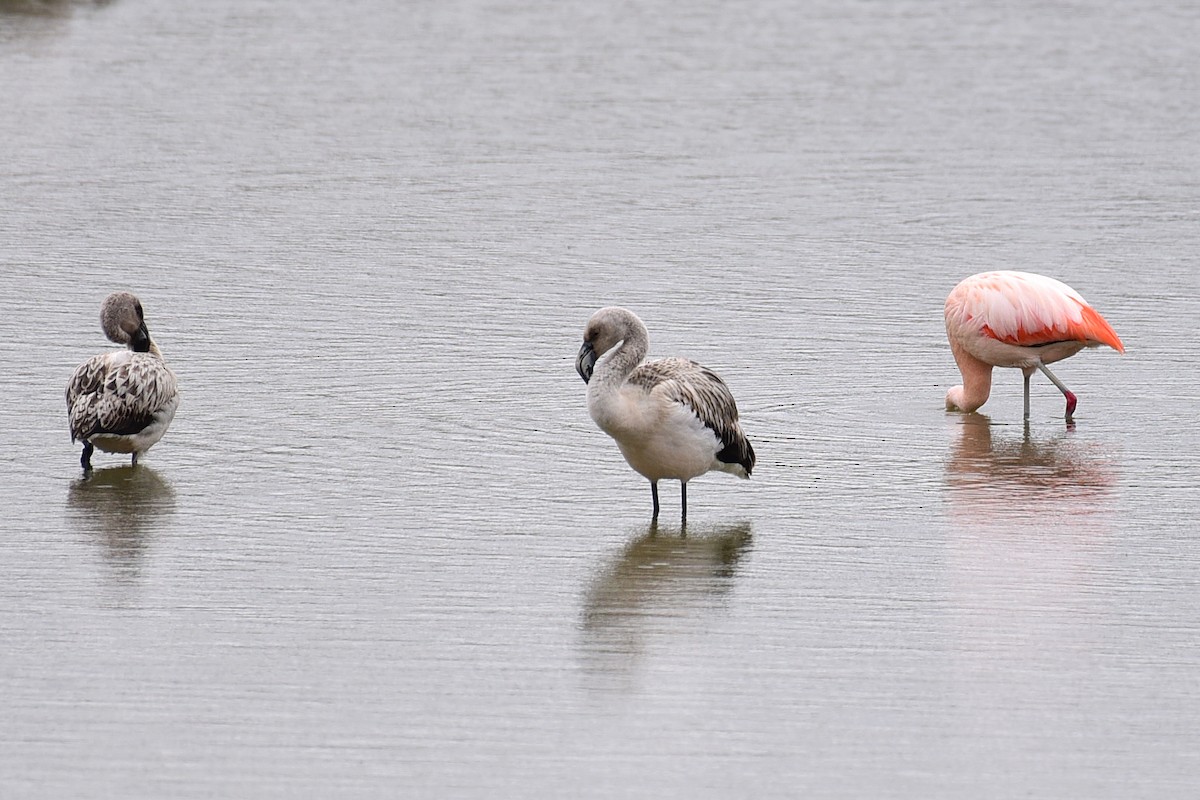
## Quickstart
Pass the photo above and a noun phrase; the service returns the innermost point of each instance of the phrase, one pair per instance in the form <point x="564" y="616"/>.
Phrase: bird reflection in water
<point x="665" y="581"/>
<point x="48" y="8"/>
<point x="1031" y="521"/>
<point x="988" y="466"/>
<point x="119" y="507"/>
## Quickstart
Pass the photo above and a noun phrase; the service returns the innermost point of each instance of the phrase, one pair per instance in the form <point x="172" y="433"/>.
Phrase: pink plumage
<point x="1017" y="319"/>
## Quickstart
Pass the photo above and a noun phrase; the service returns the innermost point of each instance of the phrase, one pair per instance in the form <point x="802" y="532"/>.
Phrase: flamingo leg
<point x="1072" y="400"/>
<point x="654" y="496"/>
<point x="1027" y="373"/>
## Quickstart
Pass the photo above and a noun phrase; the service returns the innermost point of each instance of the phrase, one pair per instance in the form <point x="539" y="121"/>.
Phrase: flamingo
<point x="671" y="418"/>
<point x="122" y="401"/>
<point x="1022" y="320"/>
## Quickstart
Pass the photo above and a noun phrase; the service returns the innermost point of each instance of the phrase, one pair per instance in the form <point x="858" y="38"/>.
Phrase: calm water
<point x="383" y="551"/>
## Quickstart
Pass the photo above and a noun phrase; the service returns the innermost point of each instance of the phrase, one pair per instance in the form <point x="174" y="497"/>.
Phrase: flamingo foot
<point x="1072" y="401"/>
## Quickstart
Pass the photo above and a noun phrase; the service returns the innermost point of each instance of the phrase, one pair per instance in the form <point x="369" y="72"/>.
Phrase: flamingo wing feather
<point x="1029" y="310"/>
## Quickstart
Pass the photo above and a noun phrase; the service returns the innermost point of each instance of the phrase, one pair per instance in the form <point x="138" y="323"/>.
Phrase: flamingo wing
<point x="704" y="394"/>
<point x="1028" y="310"/>
<point x="117" y="393"/>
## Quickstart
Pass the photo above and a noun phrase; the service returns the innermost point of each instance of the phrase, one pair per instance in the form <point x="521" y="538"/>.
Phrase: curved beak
<point x="585" y="362"/>
<point x="140" y="341"/>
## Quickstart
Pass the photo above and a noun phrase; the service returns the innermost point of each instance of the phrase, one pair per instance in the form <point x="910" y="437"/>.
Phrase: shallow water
<point x="383" y="550"/>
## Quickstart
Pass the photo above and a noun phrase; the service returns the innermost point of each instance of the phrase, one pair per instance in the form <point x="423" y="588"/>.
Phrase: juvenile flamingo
<point x="1017" y="319"/>
<point x="124" y="400"/>
<point x="671" y="418"/>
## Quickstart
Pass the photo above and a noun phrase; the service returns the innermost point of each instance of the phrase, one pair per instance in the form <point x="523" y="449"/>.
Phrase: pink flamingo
<point x="1017" y="319"/>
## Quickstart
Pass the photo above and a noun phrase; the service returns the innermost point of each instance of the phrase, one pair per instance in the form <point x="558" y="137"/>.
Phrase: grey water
<point x="383" y="551"/>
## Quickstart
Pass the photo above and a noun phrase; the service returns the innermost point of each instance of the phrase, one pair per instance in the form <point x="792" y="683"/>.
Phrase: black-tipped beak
<point x="585" y="362"/>
<point x="140" y="341"/>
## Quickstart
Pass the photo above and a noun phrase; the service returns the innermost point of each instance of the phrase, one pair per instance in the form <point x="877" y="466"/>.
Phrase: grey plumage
<point x="122" y="401"/>
<point x="706" y="395"/>
<point x="118" y="393"/>
<point x="671" y="418"/>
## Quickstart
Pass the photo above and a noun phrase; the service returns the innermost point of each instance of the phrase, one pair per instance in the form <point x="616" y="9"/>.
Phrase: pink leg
<point x="1072" y="400"/>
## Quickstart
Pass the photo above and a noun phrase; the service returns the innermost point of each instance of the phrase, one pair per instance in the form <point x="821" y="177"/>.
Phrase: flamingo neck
<point x="615" y="365"/>
<point x="607" y="405"/>
<point x="977" y="381"/>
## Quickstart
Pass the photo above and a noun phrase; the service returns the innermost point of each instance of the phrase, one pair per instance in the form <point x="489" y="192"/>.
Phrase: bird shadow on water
<point x="666" y="581"/>
<point x="119" y="507"/>
<point x="1002" y="468"/>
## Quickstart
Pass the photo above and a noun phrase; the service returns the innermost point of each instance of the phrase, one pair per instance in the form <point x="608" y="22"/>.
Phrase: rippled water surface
<point x="383" y="550"/>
